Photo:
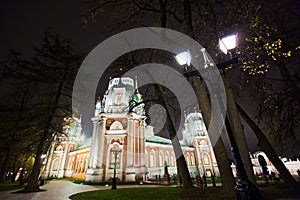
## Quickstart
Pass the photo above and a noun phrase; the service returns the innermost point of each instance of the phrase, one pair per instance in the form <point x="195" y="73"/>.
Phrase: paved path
<point x="58" y="190"/>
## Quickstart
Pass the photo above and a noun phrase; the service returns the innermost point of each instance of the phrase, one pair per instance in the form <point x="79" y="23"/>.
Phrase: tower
<point x="116" y="128"/>
<point x="196" y="135"/>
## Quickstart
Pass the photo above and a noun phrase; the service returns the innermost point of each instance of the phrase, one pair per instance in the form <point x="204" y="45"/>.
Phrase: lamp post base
<point x="246" y="190"/>
<point x="114" y="183"/>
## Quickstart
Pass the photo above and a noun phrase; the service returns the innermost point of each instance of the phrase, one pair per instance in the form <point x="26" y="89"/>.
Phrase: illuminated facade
<point x="140" y="153"/>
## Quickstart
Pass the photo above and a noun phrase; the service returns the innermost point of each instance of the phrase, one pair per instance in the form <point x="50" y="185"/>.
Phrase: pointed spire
<point x="98" y="106"/>
<point x="136" y="85"/>
<point x="98" y="103"/>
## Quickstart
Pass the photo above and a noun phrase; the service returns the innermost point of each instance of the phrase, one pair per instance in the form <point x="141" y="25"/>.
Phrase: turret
<point x="136" y="98"/>
<point x="98" y="107"/>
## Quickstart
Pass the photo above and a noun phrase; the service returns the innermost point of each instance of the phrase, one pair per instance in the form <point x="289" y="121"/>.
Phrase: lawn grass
<point x="279" y="191"/>
<point x="268" y="192"/>
<point x="154" y="193"/>
<point x="8" y="185"/>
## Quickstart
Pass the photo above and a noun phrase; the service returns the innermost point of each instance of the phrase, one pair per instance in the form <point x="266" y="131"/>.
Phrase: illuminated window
<point x="203" y="142"/>
<point x="167" y="158"/>
<point x="172" y="161"/>
<point x="55" y="165"/>
<point x="59" y="148"/>
<point x="192" y="159"/>
<point x="151" y="160"/>
<point x="116" y="125"/>
<point x="187" y="158"/>
<point x="160" y="159"/>
<point x="118" y="100"/>
<point x="206" y="159"/>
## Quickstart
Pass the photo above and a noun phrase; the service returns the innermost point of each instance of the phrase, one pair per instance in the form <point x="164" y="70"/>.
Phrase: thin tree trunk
<point x="4" y="165"/>
<point x="181" y="162"/>
<point x="33" y="183"/>
<point x="266" y="147"/>
<point x="223" y="161"/>
<point x="228" y="181"/>
<point x="13" y="136"/>
<point x="238" y="131"/>
<point x="163" y="13"/>
<point x="33" y="179"/>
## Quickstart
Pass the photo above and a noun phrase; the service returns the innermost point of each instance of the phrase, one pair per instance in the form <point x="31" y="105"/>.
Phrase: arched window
<point x="167" y="157"/>
<point x="119" y="100"/>
<point x="203" y="142"/>
<point x="146" y="158"/>
<point x="192" y="159"/>
<point x="59" y="148"/>
<point x="116" y="125"/>
<point x="85" y="164"/>
<point x="118" y="96"/>
<point x="78" y="166"/>
<point x="160" y="159"/>
<point x="73" y="164"/>
<point x="206" y="159"/>
<point x="55" y="164"/>
<point x="69" y="163"/>
<point x="71" y="148"/>
<point x="188" y="161"/>
<point x="82" y="166"/>
<point x="152" y="158"/>
<point x="172" y="160"/>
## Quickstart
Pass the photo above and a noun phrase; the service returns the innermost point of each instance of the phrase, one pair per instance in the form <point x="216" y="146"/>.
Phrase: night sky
<point x="23" y="24"/>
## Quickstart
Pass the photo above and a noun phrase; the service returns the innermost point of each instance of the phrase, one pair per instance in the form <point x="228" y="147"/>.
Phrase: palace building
<point x="122" y="141"/>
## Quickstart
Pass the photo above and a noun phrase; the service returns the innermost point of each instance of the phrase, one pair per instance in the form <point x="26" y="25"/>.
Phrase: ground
<point x="63" y="189"/>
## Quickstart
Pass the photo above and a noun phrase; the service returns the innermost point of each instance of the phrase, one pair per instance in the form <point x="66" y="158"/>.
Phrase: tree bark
<point x="223" y="161"/>
<point x="4" y="164"/>
<point x="33" y="180"/>
<point x="181" y="162"/>
<point x="238" y="131"/>
<point x="228" y="181"/>
<point x="266" y="147"/>
<point x="163" y="13"/>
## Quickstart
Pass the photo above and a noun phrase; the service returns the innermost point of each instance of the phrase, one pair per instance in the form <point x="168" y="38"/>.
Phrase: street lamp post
<point x="114" y="179"/>
<point x="244" y="188"/>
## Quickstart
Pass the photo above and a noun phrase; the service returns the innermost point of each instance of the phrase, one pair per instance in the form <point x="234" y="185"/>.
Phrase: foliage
<point x="43" y="84"/>
<point x="7" y="185"/>
<point x="268" y="55"/>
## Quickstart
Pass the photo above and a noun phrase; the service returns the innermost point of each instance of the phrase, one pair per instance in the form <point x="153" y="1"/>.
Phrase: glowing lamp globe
<point x="227" y="43"/>
<point x="184" y="58"/>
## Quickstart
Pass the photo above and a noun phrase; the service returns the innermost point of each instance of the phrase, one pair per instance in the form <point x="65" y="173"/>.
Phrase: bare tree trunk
<point x="228" y="182"/>
<point x="181" y="162"/>
<point x="33" y="183"/>
<point x="163" y="13"/>
<point x="265" y="145"/>
<point x="4" y="165"/>
<point x="238" y="131"/>
<point x="13" y="134"/>
<point x="223" y="161"/>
